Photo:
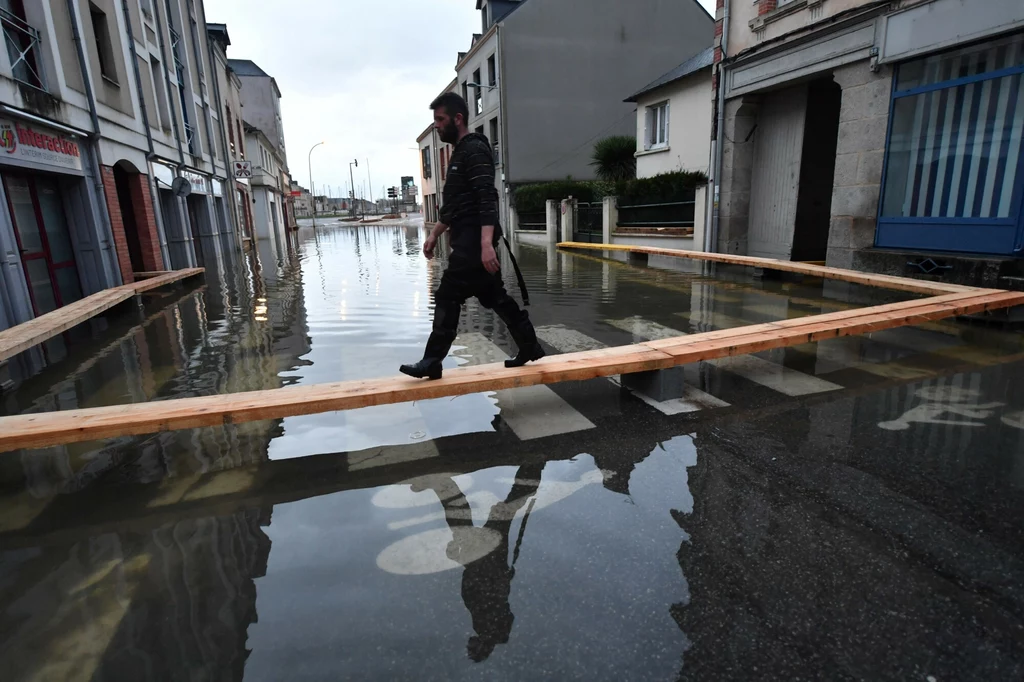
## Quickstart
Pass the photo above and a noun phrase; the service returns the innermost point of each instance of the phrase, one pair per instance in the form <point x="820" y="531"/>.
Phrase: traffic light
<point x="392" y="192"/>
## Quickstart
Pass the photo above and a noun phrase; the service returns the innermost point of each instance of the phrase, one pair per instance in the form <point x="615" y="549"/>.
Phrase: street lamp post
<point x="312" y="193"/>
<point x="353" y="185"/>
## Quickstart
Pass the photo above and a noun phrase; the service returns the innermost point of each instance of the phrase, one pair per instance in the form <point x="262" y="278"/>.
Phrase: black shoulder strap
<point x="519" y="273"/>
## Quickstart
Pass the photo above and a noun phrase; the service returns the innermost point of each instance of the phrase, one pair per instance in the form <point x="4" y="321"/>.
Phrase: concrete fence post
<point x="610" y="215"/>
<point x="513" y="225"/>
<point x="568" y="219"/>
<point x="551" y="208"/>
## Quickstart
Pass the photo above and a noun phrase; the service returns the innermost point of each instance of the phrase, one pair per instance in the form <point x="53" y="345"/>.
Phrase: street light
<point x="312" y="192"/>
<point x="353" y="185"/>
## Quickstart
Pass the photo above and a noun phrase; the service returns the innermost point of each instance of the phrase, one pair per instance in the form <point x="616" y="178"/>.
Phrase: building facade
<point x="261" y="112"/>
<point x="673" y="130"/>
<point x="545" y="79"/>
<point x="268" y="192"/>
<point x="882" y="136"/>
<point x="112" y="162"/>
<point x="230" y="87"/>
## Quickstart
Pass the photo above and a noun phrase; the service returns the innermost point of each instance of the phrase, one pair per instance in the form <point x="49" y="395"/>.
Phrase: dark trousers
<point x="462" y="280"/>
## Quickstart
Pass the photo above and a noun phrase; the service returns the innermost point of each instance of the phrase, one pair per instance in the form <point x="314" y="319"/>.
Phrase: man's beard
<point x="449" y="134"/>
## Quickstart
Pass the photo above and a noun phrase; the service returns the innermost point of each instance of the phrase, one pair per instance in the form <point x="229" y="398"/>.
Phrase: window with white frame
<point x="657" y="126"/>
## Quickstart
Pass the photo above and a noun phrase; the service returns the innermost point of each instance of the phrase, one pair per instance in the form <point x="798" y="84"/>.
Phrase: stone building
<point x="883" y="136"/>
<point x="114" y="163"/>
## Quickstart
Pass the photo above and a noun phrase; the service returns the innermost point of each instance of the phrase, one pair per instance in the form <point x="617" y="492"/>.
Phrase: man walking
<point x="470" y="213"/>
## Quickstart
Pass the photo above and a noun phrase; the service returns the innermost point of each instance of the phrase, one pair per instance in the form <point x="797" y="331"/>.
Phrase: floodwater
<point x="844" y="510"/>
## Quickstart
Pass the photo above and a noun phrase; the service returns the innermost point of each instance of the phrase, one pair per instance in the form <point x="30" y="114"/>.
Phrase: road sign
<point x="243" y="169"/>
<point x="296" y="193"/>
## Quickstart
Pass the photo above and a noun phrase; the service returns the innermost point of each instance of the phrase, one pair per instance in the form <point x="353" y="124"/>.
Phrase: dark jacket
<point x="470" y="197"/>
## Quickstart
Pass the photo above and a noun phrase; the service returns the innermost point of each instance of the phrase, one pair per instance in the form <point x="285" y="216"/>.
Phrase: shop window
<point x="44" y="241"/>
<point x="954" y="156"/>
<point x="104" y="47"/>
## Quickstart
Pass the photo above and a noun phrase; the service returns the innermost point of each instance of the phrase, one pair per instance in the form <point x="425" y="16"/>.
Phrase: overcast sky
<point x="357" y="74"/>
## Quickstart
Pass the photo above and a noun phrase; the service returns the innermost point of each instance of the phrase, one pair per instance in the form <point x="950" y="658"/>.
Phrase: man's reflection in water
<point x="486" y="582"/>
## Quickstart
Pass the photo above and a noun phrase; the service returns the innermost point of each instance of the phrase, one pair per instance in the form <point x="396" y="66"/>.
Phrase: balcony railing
<point x="23" y="48"/>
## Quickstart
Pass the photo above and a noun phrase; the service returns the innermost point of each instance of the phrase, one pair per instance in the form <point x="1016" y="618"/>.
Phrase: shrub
<point x="532" y="198"/>
<point x="615" y="158"/>
<point x="662" y="188"/>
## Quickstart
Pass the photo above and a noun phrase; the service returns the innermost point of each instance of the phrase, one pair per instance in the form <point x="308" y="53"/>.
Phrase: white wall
<point x="689" y="128"/>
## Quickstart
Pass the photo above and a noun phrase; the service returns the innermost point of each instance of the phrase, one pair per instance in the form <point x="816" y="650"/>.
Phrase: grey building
<point x="545" y="79"/>
<point x="874" y="135"/>
<point x="104" y="106"/>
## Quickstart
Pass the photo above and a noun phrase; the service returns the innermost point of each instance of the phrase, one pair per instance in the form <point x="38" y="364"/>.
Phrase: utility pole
<point x="351" y="177"/>
<point x="370" y="180"/>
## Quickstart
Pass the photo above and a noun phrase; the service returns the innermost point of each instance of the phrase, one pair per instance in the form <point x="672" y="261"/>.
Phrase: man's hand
<point x="428" y="246"/>
<point x="489" y="258"/>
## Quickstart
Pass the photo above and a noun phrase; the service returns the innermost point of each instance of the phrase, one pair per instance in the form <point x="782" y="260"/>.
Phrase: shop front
<point x="954" y="173"/>
<point x="51" y="237"/>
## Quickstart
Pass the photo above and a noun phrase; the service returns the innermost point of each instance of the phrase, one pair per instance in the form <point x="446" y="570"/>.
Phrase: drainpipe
<point x="711" y="242"/>
<point x="502" y="113"/>
<point x="229" y="189"/>
<point x="83" y="64"/>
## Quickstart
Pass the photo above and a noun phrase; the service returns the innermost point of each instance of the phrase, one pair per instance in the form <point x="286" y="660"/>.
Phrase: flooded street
<point x="853" y="506"/>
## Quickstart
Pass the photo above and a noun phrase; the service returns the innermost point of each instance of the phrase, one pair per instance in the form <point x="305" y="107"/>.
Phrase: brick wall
<point x="145" y="219"/>
<point x="124" y="259"/>
<point x="766" y="6"/>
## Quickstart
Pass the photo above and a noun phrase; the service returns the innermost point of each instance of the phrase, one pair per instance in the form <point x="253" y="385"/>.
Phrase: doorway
<point x="131" y="226"/>
<point x="196" y="205"/>
<point x="817" y="171"/>
<point x="36" y="206"/>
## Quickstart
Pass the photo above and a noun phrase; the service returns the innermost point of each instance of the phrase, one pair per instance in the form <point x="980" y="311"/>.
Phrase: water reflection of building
<point x="172" y="601"/>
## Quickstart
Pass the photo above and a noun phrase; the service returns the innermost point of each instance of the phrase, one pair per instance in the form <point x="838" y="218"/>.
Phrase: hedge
<point x="660" y="188"/>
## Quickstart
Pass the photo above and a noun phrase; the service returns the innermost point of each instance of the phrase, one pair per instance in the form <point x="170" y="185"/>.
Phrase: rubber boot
<point x="446" y="324"/>
<point x="525" y="336"/>
<point x="434" y="354"/>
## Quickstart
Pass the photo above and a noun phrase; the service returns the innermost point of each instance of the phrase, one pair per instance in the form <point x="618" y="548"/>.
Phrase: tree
<point x="614" y="158"/>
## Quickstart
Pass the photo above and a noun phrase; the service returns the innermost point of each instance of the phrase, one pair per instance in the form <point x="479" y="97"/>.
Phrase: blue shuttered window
<point x="954" y="158"/>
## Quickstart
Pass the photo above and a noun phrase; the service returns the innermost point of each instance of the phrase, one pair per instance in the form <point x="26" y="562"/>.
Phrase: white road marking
<point x="567" y="340"/>
<point x="770" y="374"/>
<point x="531" y="412"/>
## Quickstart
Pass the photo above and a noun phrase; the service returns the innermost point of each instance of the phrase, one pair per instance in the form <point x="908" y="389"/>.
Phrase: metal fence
<point x="533" y="220"/>
<point x="668" y="214"/>
<point x="589" y="223"/>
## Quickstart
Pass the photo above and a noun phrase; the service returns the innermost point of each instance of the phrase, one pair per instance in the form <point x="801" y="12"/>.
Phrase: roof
<point x="698" y="62"/>
<point x="246" y="67"/>
<point x="220" y="30"/>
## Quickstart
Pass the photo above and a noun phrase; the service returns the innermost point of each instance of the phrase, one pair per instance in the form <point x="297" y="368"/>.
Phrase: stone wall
<point x="863" y="121"/>
<point x="735" y="178"/>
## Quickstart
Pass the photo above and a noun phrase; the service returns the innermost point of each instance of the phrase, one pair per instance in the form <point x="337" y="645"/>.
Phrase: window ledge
<point x="654" y="150"/>
<point x="763" y="20"/>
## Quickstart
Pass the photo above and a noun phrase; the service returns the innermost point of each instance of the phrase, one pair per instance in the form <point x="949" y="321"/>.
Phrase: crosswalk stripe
<point x="770" y="374"/>
<point x="566" y="340"/>
<point x="833" y="355"/>
<point x="531" y="412"/>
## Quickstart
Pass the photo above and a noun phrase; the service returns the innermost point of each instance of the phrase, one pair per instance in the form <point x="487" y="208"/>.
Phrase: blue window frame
<point x="954" y="168"/>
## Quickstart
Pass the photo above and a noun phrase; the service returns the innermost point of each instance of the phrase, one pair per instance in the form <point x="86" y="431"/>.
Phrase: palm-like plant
<point x="614" y="158"/>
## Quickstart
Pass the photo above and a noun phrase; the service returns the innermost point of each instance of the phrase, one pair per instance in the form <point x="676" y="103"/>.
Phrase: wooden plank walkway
<point x="869" y="279"/>
<point x="46" y="429"/>
<point x="20" y="338"/>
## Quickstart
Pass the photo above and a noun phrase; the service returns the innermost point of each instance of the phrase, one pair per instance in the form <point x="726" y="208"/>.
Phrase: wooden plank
<point x="52" y="428"/>
<point x="882" y="281"/>
<point x="21" y="337"/>
<point x="41" y="430"/>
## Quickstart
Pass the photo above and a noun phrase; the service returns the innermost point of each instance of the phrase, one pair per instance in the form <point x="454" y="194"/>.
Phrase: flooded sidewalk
<point x="847" y="509"/>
